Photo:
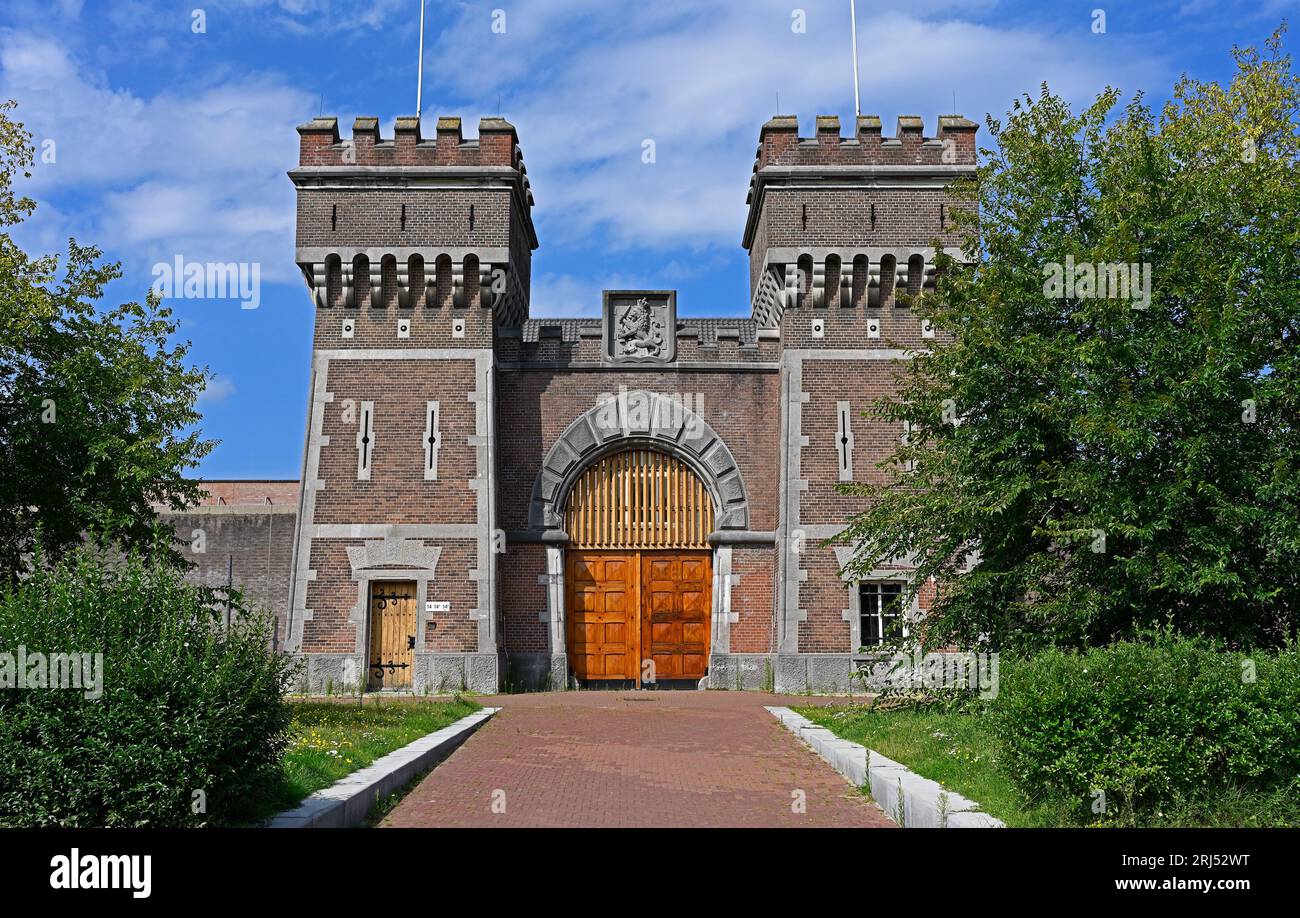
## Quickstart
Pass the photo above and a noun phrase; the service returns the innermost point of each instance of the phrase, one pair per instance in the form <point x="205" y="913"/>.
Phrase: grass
<point x="954" y="749"/>
<point x="960" y="752"/>
<point x="330" y="740"/>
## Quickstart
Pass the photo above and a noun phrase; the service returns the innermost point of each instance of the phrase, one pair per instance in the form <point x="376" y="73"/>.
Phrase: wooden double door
<point x="641" y="616"/>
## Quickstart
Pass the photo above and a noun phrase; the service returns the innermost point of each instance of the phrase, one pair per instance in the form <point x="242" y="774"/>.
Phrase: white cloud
<point x="199" y="174"/>
<point x="566" y="296"/>
<point x="587" y="82"/>
<point x="312" y="17"/>
<point x="219" y="389"/>
<point x="198" y="169"/>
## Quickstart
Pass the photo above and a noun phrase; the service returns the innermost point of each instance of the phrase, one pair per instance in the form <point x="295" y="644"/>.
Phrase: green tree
<point x="97" y="406"/>
<point x="1083" y="467"/>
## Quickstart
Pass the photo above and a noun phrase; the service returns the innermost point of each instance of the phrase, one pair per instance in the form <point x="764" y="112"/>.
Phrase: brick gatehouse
<point x="491" y="499"/>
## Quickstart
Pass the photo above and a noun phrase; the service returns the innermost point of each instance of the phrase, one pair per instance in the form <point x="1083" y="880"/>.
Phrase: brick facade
<point x="446" y="423"/>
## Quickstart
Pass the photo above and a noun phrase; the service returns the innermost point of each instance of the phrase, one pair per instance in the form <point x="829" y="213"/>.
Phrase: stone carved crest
<point x="640" y="326"/>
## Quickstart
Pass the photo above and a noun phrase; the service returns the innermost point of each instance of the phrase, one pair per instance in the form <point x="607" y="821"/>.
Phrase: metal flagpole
<point x="853" y="19"/>
<point x="419" y="78"/>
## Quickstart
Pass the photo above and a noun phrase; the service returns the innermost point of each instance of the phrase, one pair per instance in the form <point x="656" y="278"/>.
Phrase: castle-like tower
<point x="490" y="499"/>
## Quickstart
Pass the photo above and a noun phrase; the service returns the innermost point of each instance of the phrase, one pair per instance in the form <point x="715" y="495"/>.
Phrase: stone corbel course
<point x="346" y="803"/>
<point x="923" y="804"/>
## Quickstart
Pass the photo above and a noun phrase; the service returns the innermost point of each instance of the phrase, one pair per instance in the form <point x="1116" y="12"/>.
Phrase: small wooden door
<point x="603" y="618"/>
<point x="392" y="635"/>
<point x="676" y="598"/>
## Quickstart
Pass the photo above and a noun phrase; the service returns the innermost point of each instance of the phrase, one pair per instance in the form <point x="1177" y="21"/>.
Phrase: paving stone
<point x="635" y="759"/>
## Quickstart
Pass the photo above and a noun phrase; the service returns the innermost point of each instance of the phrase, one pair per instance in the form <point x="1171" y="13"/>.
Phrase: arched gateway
<point x="638" y="570"/>
<point x="640" y="484"/>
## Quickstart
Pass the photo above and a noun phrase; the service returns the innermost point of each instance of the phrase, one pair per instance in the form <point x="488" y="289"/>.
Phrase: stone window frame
<point x="365" y="441"/>
<point x="901" y="614"/>
<point x="853" y="614"/>
<point x="844" y="439"/>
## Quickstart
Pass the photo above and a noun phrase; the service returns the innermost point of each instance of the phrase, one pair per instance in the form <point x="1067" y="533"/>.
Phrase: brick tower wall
<point x="841" y="232"/>
<point x="415" y="253"/>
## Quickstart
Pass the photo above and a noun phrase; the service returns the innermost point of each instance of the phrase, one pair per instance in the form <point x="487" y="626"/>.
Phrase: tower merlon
<point x="779" y="143"/>
<point x="496" y="145"/>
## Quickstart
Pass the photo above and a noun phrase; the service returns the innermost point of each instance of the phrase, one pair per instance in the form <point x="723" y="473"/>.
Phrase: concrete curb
<point x="900" y="792"/>
<point x="346" y="802"/>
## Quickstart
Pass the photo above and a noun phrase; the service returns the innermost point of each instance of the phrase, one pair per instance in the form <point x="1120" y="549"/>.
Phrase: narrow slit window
<point x="365" y="440"/>
<point x="844" y="440"/>
<point x="908" y="464"/>
<point x="432" y="441"/>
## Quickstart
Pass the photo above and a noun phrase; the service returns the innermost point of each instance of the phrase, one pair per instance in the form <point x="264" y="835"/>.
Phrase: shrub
<point x="1149" y="723"/>
<point x="191" y="710"/>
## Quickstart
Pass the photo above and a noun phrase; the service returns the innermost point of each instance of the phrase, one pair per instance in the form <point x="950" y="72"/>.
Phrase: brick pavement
<point x="634" y="759"/>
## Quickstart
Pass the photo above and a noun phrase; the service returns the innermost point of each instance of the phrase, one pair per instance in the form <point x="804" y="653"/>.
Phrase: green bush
<point x="190" y="718"/>
<point x="1149" y="724"/>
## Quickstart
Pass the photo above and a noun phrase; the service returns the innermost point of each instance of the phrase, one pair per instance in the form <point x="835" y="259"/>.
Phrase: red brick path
<point x="598" y="758"/>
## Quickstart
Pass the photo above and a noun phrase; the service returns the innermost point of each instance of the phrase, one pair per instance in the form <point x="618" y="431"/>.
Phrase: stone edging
<point x="347" y="802"/>
<point x="922" y="803"/>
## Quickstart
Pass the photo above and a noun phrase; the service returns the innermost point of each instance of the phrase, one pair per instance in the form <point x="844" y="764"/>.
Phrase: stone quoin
<point x="493" y="500"/>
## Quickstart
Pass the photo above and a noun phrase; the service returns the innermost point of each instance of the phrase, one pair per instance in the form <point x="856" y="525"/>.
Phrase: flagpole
<point x="419" y="78"/>
<point x="853" y="18"/>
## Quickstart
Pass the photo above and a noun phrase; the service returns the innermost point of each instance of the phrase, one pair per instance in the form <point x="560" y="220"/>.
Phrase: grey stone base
<point x="933" y="670"/>
<point x="742" y="672"/>
<point x="435" y="673"/>
<point x="536" y="672"/>
<point x="815" y="672"/>
<point x="848" y="673"/>
<point x="441" y="673"/>
<point x="330" y="674"/>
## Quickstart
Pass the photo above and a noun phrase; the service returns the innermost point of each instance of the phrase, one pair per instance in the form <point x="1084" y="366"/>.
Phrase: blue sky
<point x="166" y="141"/>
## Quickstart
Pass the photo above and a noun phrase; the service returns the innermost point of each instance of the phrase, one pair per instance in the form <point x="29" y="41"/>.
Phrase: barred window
<point x="882" y="612"/>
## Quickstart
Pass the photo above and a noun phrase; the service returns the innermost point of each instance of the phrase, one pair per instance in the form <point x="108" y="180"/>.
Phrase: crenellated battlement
<point x="845" y="221"/>
<point x="780" y="144"/>
<point x="497" y="144"/>
<point x="412" y="221"/>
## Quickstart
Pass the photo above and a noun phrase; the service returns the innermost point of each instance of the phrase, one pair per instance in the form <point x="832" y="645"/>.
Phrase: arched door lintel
<point x="640" y="419"/>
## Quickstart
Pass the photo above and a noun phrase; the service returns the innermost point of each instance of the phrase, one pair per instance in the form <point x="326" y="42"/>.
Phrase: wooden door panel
<point x="602" y="623"/>
<point x="678" y="591"/>
<point x="392" y="635"/>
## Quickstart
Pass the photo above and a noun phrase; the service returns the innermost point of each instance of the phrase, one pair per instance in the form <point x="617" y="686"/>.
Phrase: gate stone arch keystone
<point x="638" y="418"/>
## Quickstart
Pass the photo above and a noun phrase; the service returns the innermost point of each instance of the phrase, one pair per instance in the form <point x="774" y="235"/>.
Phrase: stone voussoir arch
<point x="638" y="418"/>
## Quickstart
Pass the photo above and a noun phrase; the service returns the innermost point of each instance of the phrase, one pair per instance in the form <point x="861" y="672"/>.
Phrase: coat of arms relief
<point x="640" y="326"/>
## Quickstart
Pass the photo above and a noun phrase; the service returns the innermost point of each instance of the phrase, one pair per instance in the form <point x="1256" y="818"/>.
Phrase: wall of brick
<point x="752" y="598"/>
<point x="397" y="491"/>
<point x="843" y="196"/>
<point x="535" y="407"/>
<point x="249" y="546"/>
<point x="523" y="599"/>
<point x="824" y="596"/>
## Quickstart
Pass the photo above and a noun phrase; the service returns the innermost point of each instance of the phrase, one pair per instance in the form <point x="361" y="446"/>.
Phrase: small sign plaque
<point x="437" y="607"/>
